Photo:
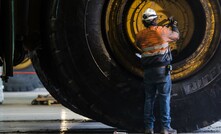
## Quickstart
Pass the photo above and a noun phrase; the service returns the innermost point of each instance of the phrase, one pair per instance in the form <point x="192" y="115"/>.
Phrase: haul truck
<point x="84" y="52"/>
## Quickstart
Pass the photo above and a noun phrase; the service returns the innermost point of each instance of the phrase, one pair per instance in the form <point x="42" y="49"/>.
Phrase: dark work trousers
<point x="157" y="81"/>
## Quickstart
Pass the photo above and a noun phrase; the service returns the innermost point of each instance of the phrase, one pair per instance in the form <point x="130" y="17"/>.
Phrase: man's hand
<point x="173" y="24"/>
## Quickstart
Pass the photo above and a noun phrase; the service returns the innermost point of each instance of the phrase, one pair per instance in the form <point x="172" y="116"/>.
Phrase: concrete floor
<point x="17" y="115"/>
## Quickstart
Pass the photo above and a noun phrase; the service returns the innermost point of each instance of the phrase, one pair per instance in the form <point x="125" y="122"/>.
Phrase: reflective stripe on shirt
<point x="161" y="52"/>
<point x="155" y="47"/>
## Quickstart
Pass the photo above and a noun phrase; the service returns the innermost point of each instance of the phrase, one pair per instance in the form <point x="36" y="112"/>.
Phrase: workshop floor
<point x="17" y="115"/>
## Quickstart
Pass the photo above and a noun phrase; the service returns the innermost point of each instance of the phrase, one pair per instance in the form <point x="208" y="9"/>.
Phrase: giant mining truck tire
<point x="88" y="60"/>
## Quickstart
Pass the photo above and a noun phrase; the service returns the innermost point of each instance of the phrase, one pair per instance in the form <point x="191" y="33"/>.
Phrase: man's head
<point x="149" y="17"/>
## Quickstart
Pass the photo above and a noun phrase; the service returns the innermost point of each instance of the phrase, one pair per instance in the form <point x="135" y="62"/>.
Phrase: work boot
<point x="149" y="131"/>
<point x="168" y="131"/>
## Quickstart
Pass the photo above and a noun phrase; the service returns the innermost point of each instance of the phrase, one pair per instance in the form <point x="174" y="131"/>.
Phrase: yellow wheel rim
<point x="25" y="63"/>
<point x="130" y="17"/>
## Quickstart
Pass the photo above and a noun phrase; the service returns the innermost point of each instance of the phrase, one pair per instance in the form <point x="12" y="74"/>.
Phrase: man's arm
<point x="175" y="34"/>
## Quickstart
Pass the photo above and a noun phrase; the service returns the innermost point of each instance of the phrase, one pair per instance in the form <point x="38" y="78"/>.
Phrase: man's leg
<point x="150" y="92"/>
<point x="164" y="90"/>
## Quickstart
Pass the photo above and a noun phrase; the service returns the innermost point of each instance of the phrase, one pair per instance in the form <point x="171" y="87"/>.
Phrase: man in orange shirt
<point x="156" y="59"/>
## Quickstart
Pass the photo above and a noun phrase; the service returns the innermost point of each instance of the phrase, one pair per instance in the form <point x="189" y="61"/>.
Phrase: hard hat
<point x="149" y="15"/>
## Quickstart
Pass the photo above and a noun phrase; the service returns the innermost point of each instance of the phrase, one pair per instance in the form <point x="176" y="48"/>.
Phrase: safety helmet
<point x="149" y="15"/>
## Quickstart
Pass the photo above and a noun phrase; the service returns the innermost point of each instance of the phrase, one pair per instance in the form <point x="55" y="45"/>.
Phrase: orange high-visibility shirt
<point x="154" y="40"/>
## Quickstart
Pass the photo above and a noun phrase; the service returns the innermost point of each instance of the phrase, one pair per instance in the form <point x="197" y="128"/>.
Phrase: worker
<point x="156" y="60"/>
